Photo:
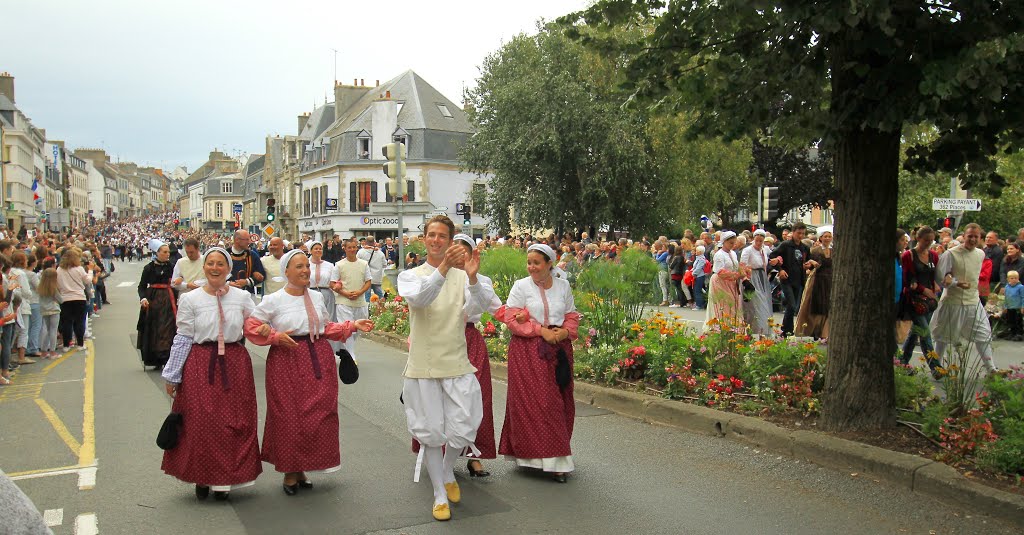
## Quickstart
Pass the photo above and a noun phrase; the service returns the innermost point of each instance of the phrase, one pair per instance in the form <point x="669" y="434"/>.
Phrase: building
<point x="21" y="151"/>
<point x="115" y="190"/>
<point x="254" y="194"/>
<point x="340" y="170"/>
<point x="213" y="191"/>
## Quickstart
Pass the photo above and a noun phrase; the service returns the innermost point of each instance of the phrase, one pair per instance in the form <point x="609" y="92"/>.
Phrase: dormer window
<point x="444" y="110"/>
<point x="401" y="136"/>
<point x="363" y="145"/>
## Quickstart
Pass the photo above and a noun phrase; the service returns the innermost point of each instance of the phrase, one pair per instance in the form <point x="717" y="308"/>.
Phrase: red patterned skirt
<point x="479" y="359"/>
<point x="539" y="416"/>
<point x="301" y="430"/>
<point x="217" y="443"/>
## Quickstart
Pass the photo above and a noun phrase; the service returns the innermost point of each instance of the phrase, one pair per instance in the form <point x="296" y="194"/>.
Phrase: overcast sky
<point x="165" y="82"/>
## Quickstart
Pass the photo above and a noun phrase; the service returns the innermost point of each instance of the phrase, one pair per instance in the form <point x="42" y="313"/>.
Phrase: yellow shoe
<point x="441" y="512"/>
<point x="454" y="493"/>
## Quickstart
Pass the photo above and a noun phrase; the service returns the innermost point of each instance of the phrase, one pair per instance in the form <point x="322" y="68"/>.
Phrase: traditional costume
<point x="757" y="310"/>
<point x="812" y="320"/>
<point x="217" y="444"/>
<point x="960" y="316"/>
<point x="724" y="295"/>
<point x="320" y="276"/>
<point x="187" y="270"/>
<point x="275" y="275"/>
<point x="246" y="266"/>
<point x="353" y="275"/>
<point x="443" y="404"/>
<point x="156" y="321"/>
<point x="539" y="415"/>
<point x="301" y="430"/>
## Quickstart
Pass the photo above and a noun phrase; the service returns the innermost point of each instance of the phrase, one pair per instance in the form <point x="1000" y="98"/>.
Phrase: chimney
<point x="345" y="97"/>
<point x="7" y="85"/>
<point x="361" y="82"/>
<point x="377" y="84"/>
<point x="303" y="119"/>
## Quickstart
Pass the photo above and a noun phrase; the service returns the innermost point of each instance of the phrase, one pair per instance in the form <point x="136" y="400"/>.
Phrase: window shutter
<point x="387" y="192"/>
<point x="373" y="191"/>
<point x="352" y="194"/>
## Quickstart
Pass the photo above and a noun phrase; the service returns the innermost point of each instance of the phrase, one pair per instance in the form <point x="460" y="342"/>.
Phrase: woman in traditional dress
<point x="320" y="273"/>
<point x="301" y="430"/>
<point x="813" y="317"/>
<point x="724" y="301"/>
<point x="539" y="414"/>
<point x="758" y="308"/>
<point x="159" y="304"/>
<point x="209" y="375"/>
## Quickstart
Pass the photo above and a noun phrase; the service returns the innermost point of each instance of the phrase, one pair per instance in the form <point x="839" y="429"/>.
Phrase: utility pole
<point x="335" y="65"/>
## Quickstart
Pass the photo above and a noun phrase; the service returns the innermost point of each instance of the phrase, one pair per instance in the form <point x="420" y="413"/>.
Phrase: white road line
<point x="125" y="284"/>
<point x="87" y="478"/>
<point x="86" y="524"/>
<point x="53" y="517"/>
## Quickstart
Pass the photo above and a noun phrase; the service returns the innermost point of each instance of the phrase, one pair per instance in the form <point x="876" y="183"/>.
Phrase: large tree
<point x="853" y="72"/>
<point x="563" y="151"/>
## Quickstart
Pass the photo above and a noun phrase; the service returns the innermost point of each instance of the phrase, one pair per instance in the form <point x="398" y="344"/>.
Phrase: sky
<point x="163" y="83"/>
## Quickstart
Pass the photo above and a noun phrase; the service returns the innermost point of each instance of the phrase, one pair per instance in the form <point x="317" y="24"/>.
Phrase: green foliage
<point x="912" y="389"/>
<point x="625" y="283"/>
<point x="504" y="265"/>
<point x="1006" y="455"/>
<point x="417" y="247"/>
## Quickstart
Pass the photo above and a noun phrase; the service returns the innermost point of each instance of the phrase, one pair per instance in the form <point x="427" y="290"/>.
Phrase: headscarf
<point x="465" y="239"/>
<point x="545" y="250"/>
<point x="314" y="318"/>
<point x="220" y="293"/>
<point x="317" y="264"/>
<point x="760" y="232"/>
<point x="725" y="237"/>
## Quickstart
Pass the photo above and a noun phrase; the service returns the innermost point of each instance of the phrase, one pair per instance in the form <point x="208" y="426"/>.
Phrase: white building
<point x="21" y="148"/>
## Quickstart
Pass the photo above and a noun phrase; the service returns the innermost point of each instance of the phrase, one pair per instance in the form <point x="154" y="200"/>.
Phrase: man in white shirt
<point x="272" y="265"/>
<point x="376" y="260"/>
<point x="188" y="268"/>
<point x="351" y="279"/>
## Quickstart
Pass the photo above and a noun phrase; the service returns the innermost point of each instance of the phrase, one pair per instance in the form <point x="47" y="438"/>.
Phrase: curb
<point x="913" y="472"/>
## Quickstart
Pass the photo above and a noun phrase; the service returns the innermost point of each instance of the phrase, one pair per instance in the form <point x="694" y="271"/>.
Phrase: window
<point x="314" y="200"/>
<point x="218" y="210"/>
<point x="444" y="111"/>
<point x="225" y="186"/>
<point x="363" y="148"/>
<point x="361" y="194"/>
<point x="323" y="198"/>
<point x="305" y="202"/>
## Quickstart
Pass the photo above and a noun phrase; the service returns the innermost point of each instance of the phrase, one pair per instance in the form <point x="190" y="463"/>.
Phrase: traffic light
<point x="395" y="168"/>
<point x="467" y="218"/>
<point x="271" y="209"/>
<point x="176" y="221"/>
<point x="943" y="222"/>
<point x="236" y="225"/>
<point x="769" y="204"/>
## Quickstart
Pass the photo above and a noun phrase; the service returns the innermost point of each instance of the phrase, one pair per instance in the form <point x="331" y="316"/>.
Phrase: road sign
<point x="954" y="205"/>
<point x="254" y="238"/>
<point x="269" y="230"/>
<point x="331" y="204"/>
<point x="236" y="208"/>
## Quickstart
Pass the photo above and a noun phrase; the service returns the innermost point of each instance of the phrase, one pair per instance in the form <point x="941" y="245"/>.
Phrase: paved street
<point x="80" y="440"/>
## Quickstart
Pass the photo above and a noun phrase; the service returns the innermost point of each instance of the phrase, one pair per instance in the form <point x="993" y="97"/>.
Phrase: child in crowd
<point x="49" y="307"/>
<point x="20" y="324"/>
<point x="1014" y="303"/>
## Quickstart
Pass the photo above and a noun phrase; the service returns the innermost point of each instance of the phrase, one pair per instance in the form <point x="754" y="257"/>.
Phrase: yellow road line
<point x="58" y="426"/>
<point x="87" y="453"/>
<point x="54" y="364"/>
<point x="61" y="469"/>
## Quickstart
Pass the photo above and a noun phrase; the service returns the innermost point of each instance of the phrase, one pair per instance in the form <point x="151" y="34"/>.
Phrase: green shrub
<point x="504" y="265"/>
<point x="912" y="389"/>
<point x="1006" y="455"/>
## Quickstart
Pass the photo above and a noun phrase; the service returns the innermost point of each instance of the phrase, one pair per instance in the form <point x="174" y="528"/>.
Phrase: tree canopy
<point x="854" y="74"/>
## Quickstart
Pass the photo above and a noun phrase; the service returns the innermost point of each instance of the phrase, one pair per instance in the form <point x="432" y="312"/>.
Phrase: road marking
<point x="87" y="478"/>
<point x="59" y="427"/>
<point x="54" y="364"/>
<point x="86" y="524"/>
<point x="125" y="284"/>
<point x="87" y="453"/>
<point x="47" y="472"/>
<point x="53" y="517"/>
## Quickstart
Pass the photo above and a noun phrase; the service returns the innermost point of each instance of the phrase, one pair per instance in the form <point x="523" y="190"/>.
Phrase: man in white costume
<point x="351" y="279"/>
<point x="443" y="403"/>
<point x="960" y="316"/>
<point x="188" y="268"/>
<point x="272" y="264"/>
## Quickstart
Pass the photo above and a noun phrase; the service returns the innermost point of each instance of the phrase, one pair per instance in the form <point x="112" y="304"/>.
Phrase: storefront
<point x="346" y="226"/>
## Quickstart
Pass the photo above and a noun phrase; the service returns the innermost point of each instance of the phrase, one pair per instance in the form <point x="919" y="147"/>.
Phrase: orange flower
<point x="374" y="298"/>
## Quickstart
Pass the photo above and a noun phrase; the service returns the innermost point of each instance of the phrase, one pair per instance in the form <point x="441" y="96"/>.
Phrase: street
<point x="78" y="438"/>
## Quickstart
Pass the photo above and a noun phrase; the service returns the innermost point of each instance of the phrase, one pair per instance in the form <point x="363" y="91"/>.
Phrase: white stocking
<point x="434" y="460"/>
<point x="451" y="455"/>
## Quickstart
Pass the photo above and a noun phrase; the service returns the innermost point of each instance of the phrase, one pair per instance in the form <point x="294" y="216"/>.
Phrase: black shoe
<point x="476" y="473"/>
<point x="291" y="490"/>
<point x="202" y="492"/>
<point x="220" y="495"/>
<point x="560" y="478"/>
<point x="305" y="484"/>
<point x="106" y="302"/>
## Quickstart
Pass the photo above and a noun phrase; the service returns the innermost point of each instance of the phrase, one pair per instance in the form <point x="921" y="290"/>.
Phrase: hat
<point x="947" y="230"/>
<point x="543" y="249"/>
<point x="726" y="236"/>
<point x="760" y="232"/>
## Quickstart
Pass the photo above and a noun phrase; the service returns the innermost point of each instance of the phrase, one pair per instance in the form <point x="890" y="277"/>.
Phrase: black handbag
<point x="563" y="375"/>
<point x="348" y="371"/>
<point x="167" y="438"/>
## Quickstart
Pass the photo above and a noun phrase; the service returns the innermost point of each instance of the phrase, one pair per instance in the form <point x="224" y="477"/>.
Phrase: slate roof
<point x="255" y="165"/>
<point x="318" y="122"/>
<point x="419" y="110"/>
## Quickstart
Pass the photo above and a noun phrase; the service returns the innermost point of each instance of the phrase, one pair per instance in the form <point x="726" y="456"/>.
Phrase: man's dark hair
<point x="798" y="226"/>
<point x="192" y="242"/>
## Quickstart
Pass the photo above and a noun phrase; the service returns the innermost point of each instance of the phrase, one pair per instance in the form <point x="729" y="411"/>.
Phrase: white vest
<point x="966" y="268"/>
<point x="189" y="270"/>
<point x="438" y="332"/>
<point x="273" y="268"/>
<point x="352" y="276"/>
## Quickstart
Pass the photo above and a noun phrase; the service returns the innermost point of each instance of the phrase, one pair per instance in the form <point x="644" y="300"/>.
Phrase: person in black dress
<point x="159" y="303"/>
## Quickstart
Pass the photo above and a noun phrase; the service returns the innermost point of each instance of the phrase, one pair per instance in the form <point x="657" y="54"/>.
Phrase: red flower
<point x="398" y="299"/>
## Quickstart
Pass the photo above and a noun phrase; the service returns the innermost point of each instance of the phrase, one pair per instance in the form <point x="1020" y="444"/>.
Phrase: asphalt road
<point x="631" y="477"/>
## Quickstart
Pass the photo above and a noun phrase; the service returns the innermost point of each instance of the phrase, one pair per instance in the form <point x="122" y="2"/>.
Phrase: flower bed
<point x="390" y="315"/>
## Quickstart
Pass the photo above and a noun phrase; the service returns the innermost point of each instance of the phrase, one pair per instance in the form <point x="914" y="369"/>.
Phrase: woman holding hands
<point x="210" y="377"/>
<point x="301" y="430"/>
